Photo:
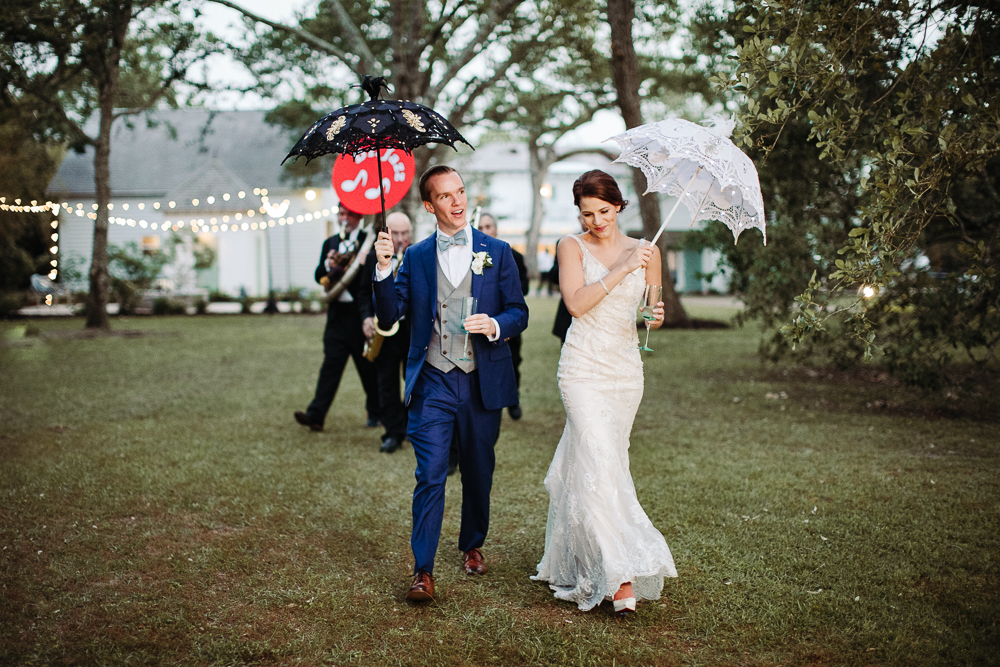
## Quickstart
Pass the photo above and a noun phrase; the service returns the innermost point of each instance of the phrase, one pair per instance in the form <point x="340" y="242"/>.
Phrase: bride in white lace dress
<point x="599" y="543"/>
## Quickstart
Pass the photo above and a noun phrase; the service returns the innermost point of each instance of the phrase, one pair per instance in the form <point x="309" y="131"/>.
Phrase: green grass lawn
<point x="159" y="505"/>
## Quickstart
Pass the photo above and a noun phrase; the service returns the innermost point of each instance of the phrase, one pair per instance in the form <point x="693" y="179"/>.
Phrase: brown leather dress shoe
<point x="474" y="562"/>
<point x="422" y="588"/>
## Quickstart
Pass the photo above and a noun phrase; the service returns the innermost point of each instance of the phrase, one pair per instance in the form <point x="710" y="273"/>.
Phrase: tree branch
<point x="307" y="37"/>
<point x="585" y="151"/>
<point x="486" y="28"/>
<point x="480" y="86"/>
<point x="368" y="63"/>
<point x="437" y="28"/>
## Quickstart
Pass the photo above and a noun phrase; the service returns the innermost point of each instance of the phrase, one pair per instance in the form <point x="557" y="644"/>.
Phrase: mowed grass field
<point x="160" y="506"/>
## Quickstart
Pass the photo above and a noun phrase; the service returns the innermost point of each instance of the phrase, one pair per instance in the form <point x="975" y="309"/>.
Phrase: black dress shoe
<point x="372" y="422"/>
<point x="390" y="444"/>
<point x="515" y="411"/>
<point x="303" y="419"/>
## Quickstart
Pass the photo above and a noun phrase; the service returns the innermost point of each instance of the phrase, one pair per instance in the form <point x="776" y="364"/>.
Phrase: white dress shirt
<point x="455" y="263"/>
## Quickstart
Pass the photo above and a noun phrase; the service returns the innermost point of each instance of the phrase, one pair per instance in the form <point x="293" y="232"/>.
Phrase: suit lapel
<point x="429" y="264"/>
<point x="478" y="245"/>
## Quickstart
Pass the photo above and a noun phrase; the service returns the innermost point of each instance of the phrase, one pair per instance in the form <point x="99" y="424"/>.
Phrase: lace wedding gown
<point x="597" y="536"/>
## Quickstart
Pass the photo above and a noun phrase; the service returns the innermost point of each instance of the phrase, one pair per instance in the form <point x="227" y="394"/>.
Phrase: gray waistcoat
<point x="448" y="338"/>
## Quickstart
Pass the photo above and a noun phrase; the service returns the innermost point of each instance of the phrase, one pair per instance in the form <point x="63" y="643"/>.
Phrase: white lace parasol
<point x="701" y="167"/>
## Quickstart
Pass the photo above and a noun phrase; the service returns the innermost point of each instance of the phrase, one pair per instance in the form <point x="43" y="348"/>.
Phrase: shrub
<point x="10" y="303"/>
<point x="167" y="306"/>
<point x="216" y="296"/>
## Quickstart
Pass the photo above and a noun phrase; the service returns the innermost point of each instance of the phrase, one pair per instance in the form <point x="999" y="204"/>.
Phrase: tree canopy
<point x="875" y="125"/>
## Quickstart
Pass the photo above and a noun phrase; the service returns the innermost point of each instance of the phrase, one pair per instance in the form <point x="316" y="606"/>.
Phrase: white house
<point x="214" y="179"/>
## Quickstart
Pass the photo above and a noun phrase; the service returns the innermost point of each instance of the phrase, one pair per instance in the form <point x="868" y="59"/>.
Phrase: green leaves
<point x="898" y="125"/>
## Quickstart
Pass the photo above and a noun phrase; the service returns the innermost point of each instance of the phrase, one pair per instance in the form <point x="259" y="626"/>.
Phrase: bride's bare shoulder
<point x="569" y="244"/>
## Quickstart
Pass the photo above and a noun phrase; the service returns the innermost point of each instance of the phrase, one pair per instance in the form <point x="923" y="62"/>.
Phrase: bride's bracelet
<point x="606" y="290"/>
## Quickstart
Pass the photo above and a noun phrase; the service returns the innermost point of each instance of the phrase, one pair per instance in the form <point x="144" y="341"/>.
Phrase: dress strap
<point x="577" y="239"/>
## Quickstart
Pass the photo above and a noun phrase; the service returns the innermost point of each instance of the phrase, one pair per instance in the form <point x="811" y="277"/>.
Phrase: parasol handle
<point x="381" y="190"/>
<point x="676" y="204"/>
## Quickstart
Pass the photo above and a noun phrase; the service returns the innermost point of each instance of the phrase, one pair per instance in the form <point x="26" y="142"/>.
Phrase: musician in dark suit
<point x="392" y="354"/>
<point x="343" y="337"/>
<point x="451" y="386"/>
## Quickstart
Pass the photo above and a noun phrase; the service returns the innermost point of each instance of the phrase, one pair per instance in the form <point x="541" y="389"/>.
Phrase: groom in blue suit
<point x="450" y="387"/>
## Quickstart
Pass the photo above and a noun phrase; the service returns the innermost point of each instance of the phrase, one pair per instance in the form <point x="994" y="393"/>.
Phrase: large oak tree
<point x="68" y="63"/>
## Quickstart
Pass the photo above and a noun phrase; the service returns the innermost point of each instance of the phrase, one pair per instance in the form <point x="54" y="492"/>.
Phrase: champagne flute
<point x="650" y="298"/>
<point x="468" y="308"/>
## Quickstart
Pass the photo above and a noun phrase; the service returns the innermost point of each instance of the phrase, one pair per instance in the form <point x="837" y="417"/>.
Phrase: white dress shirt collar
<point x="456" y="260"/>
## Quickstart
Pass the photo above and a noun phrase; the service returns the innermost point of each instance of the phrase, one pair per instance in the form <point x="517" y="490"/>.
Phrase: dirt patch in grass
<point x="92" y="334"/>
<point x="694" y="323"/>
<point x="877" y="392"/>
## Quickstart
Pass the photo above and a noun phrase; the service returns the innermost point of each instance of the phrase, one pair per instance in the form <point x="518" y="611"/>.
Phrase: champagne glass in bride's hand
<point x="650" y="298"/>
<point x="468" y="309"/>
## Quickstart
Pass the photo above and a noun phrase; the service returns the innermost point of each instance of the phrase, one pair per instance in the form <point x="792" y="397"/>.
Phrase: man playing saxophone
<point x="343" y="337"/>
<point x="392" y="353"/>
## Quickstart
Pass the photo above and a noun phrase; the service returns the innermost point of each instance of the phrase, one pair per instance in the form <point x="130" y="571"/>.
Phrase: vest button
<point x="444" y="305"/>
<point x="444" y="336"/>
<point x="444" y="351"/>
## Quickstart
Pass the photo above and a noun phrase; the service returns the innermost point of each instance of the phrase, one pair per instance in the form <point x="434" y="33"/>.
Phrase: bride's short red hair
<point x="599" y="185"/>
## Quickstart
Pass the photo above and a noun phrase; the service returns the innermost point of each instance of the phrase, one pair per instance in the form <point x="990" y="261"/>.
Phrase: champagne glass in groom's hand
<point x="468" y="309"/>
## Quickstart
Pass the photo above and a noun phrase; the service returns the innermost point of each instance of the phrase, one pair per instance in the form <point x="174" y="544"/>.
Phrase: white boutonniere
<point x="480" y="261"/>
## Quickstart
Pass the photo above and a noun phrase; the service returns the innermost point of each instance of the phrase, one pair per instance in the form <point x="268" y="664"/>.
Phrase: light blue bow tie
<point x="445" y="242"/>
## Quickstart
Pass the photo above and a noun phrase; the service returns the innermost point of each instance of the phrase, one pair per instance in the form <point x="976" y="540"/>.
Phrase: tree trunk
<point x="106" y="68"/>
<point x="539" y="160"/>
<point x="625" y="77"/>
<point x="97" y="302"/>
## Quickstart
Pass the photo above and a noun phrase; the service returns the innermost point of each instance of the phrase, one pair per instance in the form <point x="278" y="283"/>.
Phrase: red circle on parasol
<point x="356" y="179"/>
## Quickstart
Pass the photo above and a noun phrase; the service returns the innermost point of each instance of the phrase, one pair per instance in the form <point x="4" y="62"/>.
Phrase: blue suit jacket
<point x="414" y="293"/>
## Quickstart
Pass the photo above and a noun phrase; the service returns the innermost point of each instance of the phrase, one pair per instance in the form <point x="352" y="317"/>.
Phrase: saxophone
<point x="345" y="267"/>
<point x="374" y="344"/>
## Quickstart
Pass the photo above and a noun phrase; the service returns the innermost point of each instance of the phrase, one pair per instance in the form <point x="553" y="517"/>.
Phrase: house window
<point x="150" y="244"/>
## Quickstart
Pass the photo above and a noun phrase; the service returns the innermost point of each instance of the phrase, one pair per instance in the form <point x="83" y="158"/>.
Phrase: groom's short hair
<point x="436" y="170"/>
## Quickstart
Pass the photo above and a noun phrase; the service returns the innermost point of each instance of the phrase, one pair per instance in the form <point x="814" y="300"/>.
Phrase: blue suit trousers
<point x="440" y="405"/>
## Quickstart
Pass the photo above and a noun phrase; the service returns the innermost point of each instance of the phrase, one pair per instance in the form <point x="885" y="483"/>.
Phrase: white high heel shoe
<point x="624" y="605"/>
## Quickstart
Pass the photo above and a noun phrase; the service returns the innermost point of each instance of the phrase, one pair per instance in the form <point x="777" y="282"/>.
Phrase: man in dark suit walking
<point x="343" y="337"/>
<point x="448" y="388"/>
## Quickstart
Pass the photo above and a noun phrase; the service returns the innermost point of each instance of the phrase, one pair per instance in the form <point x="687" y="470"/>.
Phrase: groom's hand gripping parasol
<point x="384" y="251"/>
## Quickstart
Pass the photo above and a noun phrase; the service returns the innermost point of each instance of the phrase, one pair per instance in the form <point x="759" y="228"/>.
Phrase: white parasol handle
<point x="676" y="204"/>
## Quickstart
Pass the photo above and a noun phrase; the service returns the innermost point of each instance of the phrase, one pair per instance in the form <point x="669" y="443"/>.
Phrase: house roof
<point x="512" y="156"/>
<point x="185" y="153"/>
<point x="184" y="150"/>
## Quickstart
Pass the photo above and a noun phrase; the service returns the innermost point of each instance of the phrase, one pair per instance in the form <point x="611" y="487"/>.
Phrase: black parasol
<point x="376" y="124"/>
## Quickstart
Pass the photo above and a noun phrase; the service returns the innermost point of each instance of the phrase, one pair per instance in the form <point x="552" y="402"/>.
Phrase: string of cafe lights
<point x="215" y="224"/>
<point x="236" y="222"/>
<point x="241" y="221"/>
<point x="35" y="207"/>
